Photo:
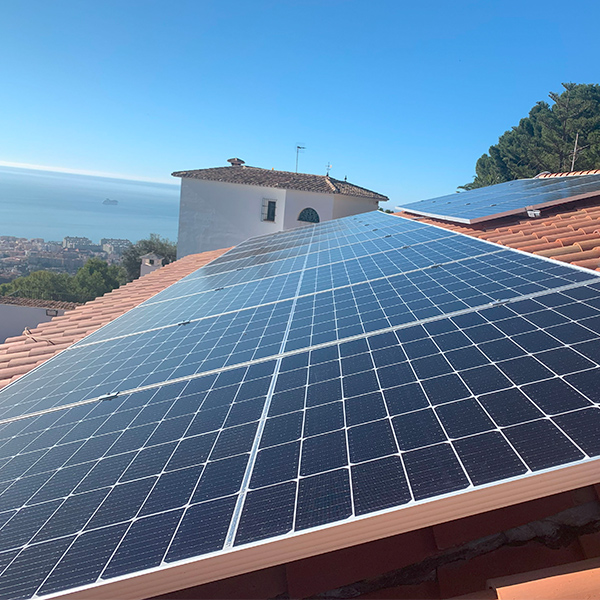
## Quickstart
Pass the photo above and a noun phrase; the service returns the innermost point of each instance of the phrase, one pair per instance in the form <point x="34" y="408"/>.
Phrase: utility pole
<point x="298" y="148"/>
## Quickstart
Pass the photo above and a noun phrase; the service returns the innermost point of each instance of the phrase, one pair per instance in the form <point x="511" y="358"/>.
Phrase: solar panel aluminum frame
<point x="498" y="215"/>
<point x="235" y="560"/>
<point x="499" y="248"/>
<point x="330" y="537"/>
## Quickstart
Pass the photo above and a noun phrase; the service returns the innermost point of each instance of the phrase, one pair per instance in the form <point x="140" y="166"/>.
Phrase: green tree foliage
<point x="131" y="259"/>
<point x="43" y="285"/>
<point x="545" y="139"/>
<point x="94" y="279"/>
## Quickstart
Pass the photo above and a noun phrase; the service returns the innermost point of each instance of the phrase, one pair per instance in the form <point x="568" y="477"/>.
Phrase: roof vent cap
<point x="236" y="162"/>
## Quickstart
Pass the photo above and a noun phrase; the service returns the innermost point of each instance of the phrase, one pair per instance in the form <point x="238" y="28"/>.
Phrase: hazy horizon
<point x="70" y="204"/>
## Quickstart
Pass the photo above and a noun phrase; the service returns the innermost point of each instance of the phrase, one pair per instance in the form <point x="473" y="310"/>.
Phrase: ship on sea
<point x="110" y="202"/>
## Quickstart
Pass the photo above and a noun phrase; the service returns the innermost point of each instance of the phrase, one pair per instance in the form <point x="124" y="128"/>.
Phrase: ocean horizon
<point x="52" y="205"/>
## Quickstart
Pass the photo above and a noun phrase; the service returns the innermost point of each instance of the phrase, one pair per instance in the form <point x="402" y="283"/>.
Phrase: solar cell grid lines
<point x="213" y="343"/>
<point x="396" y="368"/>
<point x="269" y="289"/>
<point x="512" y="197"/>
<point x="151" y="357"/>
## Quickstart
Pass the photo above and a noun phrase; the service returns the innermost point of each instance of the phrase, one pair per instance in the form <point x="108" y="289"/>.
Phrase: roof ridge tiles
<point x="331" y="185"/>
<point x="568" y="174"/>
<point x="272" y="178"/>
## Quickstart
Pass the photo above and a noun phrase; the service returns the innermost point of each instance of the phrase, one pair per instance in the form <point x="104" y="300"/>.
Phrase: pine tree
<point x="545" y="139"/>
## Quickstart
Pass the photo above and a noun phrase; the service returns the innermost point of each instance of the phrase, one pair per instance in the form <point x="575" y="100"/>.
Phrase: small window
<point x="309" y="215"/>
<point x="268" y="210"/>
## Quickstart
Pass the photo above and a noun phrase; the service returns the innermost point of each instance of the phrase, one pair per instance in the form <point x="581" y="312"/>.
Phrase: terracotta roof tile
<point x="36" y="303"/>
<point x="579" y="256"/>
<point x="568" y="174"/>
<point x="247" y="175"/>
<point x="540" y="245"/>
<point x="590" y="263"/>
<point x="559" y="250"/>
<point x="19" y="354"/>
<point x="595" y="228"/>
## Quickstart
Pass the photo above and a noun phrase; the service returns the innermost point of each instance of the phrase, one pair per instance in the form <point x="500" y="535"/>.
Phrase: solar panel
<point x="359" y="403"/>
<point x="503" y="199"/>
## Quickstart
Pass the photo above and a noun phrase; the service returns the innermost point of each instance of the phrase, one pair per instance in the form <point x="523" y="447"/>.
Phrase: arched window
<point x="310" y="215"/>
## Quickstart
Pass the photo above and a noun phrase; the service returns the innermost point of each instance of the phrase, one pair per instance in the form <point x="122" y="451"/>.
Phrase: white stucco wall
<point x="344" y="206"/>
<point x="14" y="319"/>
<point x="215" y="215"/>
<point x="296" y="201"/>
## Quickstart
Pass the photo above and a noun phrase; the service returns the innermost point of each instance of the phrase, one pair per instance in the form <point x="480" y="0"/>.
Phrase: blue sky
<point x="399" y="97"/>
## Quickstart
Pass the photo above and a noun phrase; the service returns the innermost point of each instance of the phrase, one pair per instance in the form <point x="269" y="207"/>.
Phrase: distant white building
<point x="77" y="243"/>
<point x="150" y="262"/>
<point x="223" y="206"/>
<point x="114" y="245"/>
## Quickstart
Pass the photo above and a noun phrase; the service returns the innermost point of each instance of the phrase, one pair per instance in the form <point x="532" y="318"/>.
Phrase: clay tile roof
<point x="20" y="354"/>
<point x="567" y="233"/>
<point x="568" y="174"/>
<point x="306" y="182"/>
<point x="35" y="303"/>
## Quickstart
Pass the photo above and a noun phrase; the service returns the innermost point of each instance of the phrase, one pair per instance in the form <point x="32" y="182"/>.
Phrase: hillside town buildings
<point x="20" y="256"/>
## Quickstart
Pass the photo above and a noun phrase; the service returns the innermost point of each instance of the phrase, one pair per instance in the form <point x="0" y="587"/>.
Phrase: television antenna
<point x="576" y="150"/>
<point x="328" y="167"/>
<point x="298" y="148"/>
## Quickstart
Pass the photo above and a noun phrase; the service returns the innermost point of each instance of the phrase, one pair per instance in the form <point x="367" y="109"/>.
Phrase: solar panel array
<point x="304" y="379"/>
<point x="512" y="197"/>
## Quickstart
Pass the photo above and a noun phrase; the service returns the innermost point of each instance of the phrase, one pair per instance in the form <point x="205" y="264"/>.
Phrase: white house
<point x="223" y="206"/>
<point x="18" y="314"/>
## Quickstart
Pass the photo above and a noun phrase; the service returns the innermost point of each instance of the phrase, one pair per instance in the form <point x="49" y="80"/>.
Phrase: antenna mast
<point x="574" y="152"/>
<point x="328" y="168"/>
<point x="298" y="148"/>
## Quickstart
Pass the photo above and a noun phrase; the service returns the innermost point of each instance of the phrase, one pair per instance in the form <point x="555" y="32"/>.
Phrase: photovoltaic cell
<point x="397" y="365"/>
<point x="508" y="198"/>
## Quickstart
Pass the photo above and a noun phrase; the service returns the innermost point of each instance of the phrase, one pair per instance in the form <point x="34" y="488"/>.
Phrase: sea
<point x="52" y="205"/>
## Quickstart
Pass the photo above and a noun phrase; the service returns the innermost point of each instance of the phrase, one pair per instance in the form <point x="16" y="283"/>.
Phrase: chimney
<point x="150" y="262"/>
<point x="236" y="162"/>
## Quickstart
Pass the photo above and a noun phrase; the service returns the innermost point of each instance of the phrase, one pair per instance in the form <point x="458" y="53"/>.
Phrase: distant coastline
<point x="53" y="205"/>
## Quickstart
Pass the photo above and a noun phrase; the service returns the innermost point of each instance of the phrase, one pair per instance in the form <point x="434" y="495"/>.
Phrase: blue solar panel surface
<point x="392" y="368"/>
<point x="508" y="198"/>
